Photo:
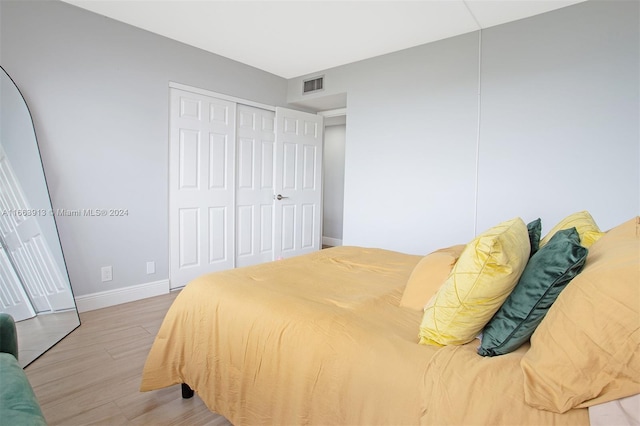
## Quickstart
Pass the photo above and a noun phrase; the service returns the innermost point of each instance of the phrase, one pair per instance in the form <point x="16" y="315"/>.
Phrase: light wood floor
<point x="93" y="375"/>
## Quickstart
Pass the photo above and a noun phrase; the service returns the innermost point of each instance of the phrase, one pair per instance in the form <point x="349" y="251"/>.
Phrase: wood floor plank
<point x="107" y="414"/>
<point x="93" y="375"/>
<point x="53" y="373"/>
<point x="176" y="411"/>
<point x="91" y="388"/>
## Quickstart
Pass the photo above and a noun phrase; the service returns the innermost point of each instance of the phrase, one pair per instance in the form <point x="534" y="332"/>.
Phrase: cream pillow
<point x="428" y="275"/>
<point x="481" y="280"/>
<point x="584" y="224"/>
<point x="586" y="350"/>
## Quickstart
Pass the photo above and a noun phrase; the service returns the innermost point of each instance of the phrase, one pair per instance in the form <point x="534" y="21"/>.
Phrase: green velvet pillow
<point x="547" y="273"/>
<point x="535" y="232"/>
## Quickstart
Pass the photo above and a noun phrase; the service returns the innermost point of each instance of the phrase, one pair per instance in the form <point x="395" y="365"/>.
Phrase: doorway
<point x="335" y="126"/>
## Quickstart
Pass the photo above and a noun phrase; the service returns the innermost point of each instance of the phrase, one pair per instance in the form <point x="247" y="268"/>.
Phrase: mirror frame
<point x="36" y="325"/>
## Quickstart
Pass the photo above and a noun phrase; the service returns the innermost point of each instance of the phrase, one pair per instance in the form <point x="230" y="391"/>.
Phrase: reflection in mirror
<point x="34" y="283"/>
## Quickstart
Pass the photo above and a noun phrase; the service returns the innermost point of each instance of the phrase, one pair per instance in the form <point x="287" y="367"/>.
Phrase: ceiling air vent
<point x="312" y="85"/>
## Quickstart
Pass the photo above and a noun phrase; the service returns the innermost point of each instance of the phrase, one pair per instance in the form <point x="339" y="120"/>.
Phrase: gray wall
<point x="410" y="145"/>
<point x="560" y="115"/>
<point x="98" y="91"/>
<point x="558" y="133"/>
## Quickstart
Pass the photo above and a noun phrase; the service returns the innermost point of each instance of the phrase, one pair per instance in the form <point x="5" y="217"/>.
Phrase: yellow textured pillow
<point x="584" y="224"/>
<point x="586" y="351"/>
<point x="428" y="275"/>
<point x="481" y="280"/>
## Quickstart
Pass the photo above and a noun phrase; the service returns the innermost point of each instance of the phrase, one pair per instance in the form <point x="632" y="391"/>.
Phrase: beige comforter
<point x="320" y="339"/>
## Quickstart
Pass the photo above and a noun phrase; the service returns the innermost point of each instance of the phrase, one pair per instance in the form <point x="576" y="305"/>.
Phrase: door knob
<point x="280" y="197"/>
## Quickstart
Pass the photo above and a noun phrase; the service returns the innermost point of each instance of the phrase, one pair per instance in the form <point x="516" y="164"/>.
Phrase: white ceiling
<point x="297" y="37"/>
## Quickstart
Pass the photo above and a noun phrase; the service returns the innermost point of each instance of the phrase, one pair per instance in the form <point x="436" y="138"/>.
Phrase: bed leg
<point x="187" y="392"/>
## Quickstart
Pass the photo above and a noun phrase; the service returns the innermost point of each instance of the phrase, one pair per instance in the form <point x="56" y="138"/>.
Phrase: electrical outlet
<point x="151" y="267"/>
<point x="107" y="273"/>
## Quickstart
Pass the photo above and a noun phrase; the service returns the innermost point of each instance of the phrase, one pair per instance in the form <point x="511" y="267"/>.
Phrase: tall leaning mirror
<point x="34" y="283"/>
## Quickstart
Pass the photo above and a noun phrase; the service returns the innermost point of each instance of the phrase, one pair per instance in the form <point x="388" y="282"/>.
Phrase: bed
<point x="331" y="338"/>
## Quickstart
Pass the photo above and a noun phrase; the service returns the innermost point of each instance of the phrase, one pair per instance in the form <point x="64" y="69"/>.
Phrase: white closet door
<point x="201" y="179"/>
<point x="47" y="286"/>
<point x="254" y="188"/>
<point x="13" y="299"/>
<point x="298" y="183"/>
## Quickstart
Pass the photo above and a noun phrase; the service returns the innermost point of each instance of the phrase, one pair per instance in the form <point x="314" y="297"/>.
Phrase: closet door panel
<point x="201" y="185"/>
<point x="254" y="192"/>
<point x="298" y="177"/>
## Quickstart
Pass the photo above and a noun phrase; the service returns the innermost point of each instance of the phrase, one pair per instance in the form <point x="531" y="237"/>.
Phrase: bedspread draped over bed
<point x="320" y="339"/>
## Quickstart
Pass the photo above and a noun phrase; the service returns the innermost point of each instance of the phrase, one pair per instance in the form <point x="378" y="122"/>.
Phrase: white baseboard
<point x="104" y="299"/>
<point x="328" y="241"/>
